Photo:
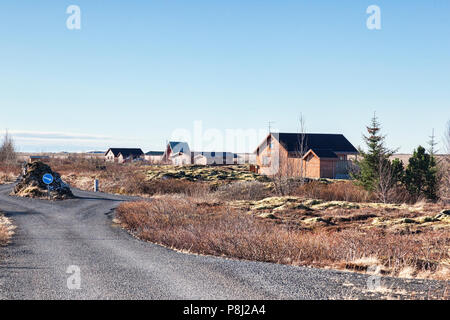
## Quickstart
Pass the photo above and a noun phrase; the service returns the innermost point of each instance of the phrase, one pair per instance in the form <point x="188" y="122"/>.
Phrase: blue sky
<point x="139" y="70"/>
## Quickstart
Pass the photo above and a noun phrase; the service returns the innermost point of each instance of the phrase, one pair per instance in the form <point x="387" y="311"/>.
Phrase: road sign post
<point x="48" y="180"/>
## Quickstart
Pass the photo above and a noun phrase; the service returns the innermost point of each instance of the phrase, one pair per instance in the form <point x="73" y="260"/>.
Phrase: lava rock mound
<point x="32" y="186"/>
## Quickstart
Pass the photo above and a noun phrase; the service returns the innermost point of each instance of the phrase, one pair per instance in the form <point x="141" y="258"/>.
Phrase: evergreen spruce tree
<point x="432" y="144"/>
<point x="377" y="155"/>
<point x="421" y="175"/>
<point x="398" y="170"/>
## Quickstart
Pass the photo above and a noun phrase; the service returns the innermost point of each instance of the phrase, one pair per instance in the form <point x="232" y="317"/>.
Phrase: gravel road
<point x="79" y="236"/>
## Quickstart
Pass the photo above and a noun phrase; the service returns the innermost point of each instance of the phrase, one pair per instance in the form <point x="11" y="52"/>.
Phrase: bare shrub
<point x="284" y="186"/>
<point x="444" y="168"/>
<point x="289" y="168"/>
<point x="349" y="191"/>
<point x="6" y="230"/>
<point x="385" y="183"/>
<point x="337" y="191"/>
<point x="243" y="190"/>
<point x="7" y="150"/>
<point x="3" y="235"/>
<point x="288" y="173"/>
<point x="9" y="167"/>
<point x="9" y="174"/>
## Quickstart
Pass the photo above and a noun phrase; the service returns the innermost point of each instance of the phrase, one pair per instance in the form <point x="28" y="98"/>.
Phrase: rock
<point x="335" y="204"/>
<point x="425" y="219"/>
<point x="32" y="186"/>
<point x="275" y="202"/>
<point x="407" y="220"/>
<point x="268" y="215"/>
<point x="317" y="220"/>
<point x="443" y="216"/>
<point x="312" y="202"/>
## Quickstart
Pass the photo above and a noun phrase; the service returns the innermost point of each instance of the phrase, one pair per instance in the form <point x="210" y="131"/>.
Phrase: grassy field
<point x="147" y="180"/>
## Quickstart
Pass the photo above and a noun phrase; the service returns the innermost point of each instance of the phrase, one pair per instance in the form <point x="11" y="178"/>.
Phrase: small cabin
<point x="154" y="156"/>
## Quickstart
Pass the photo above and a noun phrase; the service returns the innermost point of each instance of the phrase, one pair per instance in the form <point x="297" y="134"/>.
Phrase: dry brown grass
<point x="134" y="179"/>
<point x="336" y="191"/>
<point x="3" y="235"/>
<point x="114" y="178"/>
<point x="9" y="172"/>
<point x="6" y="230"/>
<point x="131" y="180"/>
<point x="349" y="191"/>
<point x="243" y="190"/>
<point x="212" y="228"/>
<point x="444" y="178"/>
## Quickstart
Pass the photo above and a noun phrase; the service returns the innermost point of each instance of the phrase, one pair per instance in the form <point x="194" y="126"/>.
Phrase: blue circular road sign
<point x="47" y="178"/>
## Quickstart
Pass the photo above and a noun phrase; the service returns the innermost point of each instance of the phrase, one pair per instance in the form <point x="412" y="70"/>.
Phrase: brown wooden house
<point x="310" y="155"/>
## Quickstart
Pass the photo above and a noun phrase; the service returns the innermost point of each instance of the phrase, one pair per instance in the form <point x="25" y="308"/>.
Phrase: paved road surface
<point x="51" y="236"/>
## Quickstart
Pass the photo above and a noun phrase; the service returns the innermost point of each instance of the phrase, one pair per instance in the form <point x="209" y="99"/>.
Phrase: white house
<point x="177" y="153"/>
<point x="180" y="159"/>
<point x="154" y="156"/>
<point x="121" y="155"/>
<point x="200" y="160"/>
<point x="211" y="158"/>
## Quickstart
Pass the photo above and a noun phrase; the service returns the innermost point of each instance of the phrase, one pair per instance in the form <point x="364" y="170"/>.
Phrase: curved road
<point x="52" y="236"/>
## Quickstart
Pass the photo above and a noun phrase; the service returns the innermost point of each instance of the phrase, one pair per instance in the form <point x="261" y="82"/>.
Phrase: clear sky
<point x="138" y="71"/>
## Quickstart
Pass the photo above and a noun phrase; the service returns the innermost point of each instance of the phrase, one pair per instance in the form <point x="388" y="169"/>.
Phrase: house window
<point x="265" y="161"/>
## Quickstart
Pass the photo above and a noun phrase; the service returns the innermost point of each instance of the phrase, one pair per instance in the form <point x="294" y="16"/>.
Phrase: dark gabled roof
<point x="178" y="146"/>
<point x="125" y="152"/>
<point x="154" y="153"/>
<point x="315" y="141"/>
<point x="324" y="153"/>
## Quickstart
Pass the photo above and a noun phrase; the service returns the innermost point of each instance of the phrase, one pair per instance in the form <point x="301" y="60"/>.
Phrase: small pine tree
<point x="398" y="170"/>
<point x="377" y="155"/>
<point x="421" y="175"/>
<point x="432" y="144"/>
